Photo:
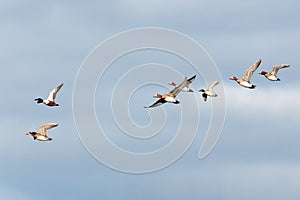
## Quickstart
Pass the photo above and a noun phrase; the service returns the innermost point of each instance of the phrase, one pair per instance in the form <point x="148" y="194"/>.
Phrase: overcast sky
<point x="44" y="43"/>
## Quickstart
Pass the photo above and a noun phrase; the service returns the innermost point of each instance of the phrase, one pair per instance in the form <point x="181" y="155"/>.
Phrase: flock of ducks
<point x="182" y="87"/>
<point x="166" y="98"/>
<point x="244" y="82"/>
<point x="50" y="101"/>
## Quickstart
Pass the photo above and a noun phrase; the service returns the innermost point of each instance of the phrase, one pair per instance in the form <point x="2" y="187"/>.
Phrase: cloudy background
<point x="257" y="156"/>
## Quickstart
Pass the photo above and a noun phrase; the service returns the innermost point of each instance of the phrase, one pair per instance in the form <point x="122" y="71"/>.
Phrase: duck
<point x="272" y="75"/>
<point x="245" y="81"/>
<point x="50" y="101"/>
<point x="185" y="89"/>
<point x="41" y="135"/>
<point x="171" y="96"/>
<point x="209" y="92"/>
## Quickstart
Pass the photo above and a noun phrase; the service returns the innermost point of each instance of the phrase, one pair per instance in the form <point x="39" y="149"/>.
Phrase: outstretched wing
<point x="213" y="84"/>
<point x="53" y="93"/>
<point x="157" y="103"/>
<point x="278" y="67"/>
<point x="190" y="80"/>
<point x="251" y="70"/>
<point x="179" y="88"/>
<point x="45" y="127"/>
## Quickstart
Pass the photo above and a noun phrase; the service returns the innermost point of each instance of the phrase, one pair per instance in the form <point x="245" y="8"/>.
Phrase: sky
<point x="46" y="43"/>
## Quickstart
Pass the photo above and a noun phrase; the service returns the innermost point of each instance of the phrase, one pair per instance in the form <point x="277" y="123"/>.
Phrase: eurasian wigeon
<point x="171" y="96"/>
<point x="41" y="135"/>
<point x="50" y="101"/>
<point x="272" y="75"/>
<point x="209" y="92"/>
<point x="185" y="89"/>
<point x="245" y="81"/>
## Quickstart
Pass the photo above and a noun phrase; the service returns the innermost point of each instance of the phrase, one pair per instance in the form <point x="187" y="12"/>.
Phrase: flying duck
<point x="50" y="101"/>
<point x="272" y="75"/>
<point x="209" y="92"/>
<point x="245" y="81"/>
<point x="41" y="135"/>
<point x="185" y="89"/>
<point x="171" y="96"/>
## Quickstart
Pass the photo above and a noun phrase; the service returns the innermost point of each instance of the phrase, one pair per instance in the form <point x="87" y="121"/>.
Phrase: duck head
<point x="159" y="96"/>
<point x="233" y="78"/>
<point x="263" y="73"/>
<point x="201" y="90"/>
<point x="32" y="134"/>
<point x="172" y="83"/>
<point x="39" y="100"/>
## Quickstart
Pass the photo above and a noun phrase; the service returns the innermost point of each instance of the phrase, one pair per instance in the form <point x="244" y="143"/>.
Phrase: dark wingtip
<point x="192" y="78"/>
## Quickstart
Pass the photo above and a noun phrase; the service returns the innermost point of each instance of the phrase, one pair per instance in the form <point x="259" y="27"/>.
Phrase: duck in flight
<point x="272" y="75"/>
<point x="209" y="92"/>
<point x="185" y="89"/>
<point x="50" y="101"/>
<point x="41" y="135"/>
<point x="171" y="96"/>
<point x="245" y="81"/>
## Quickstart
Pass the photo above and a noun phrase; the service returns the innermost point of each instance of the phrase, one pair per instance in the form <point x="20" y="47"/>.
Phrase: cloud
<point x="275" y="100"/>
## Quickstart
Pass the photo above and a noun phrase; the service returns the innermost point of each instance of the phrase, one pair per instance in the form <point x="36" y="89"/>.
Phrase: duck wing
<point x="53" y="93"/>
<point x="251" y="70"/>
<point x="278" y="67"/>
<point x="157" y="103"/>
<point x="179" y="88"/>
<point x="45" y="127"/>
<point x="213" y="84"/>
<point x="190" y="80"/>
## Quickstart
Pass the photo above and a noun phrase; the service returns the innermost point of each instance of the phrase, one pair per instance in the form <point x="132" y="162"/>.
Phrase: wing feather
<point x="179" y="88"/>
<point x="53" y="93"/>
<point x="45" y="127"/>
<point x="213" y="84"/>
<point x="276" y="68"/>
<point x="251" y="70"/>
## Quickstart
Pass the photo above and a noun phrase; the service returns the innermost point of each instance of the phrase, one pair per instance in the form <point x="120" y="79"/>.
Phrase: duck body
<point x="46" y="102"/>
<point x="245" y="84"/>
<point x="169" y="98"/>
<point x="37" y="136"/>
<point x="270" y="76"/>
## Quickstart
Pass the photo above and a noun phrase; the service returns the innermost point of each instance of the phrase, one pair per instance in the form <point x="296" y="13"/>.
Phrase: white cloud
<point x="274" y="99"/>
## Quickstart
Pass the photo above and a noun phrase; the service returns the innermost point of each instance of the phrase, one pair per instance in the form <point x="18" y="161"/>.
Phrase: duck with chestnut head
<point x="245" y="80"/>
<point x="272" y="75"/>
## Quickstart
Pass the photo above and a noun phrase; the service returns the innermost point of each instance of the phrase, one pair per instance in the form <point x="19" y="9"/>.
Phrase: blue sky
<point x="45" y="43"/>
